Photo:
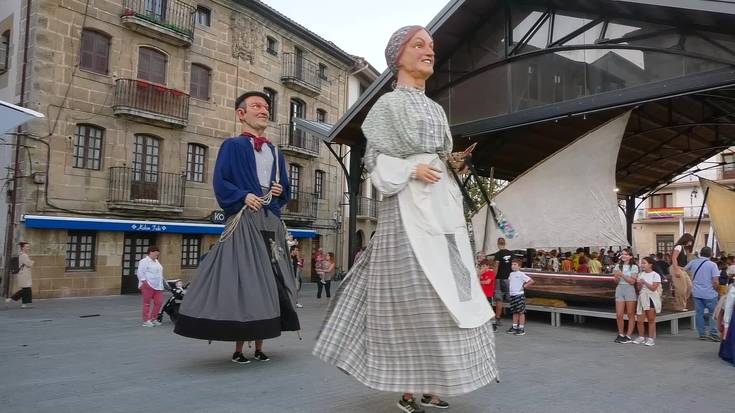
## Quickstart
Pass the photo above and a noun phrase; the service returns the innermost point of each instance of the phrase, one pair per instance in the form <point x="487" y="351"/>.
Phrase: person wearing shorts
<point x="626" y="274"/>
<point x="517" y="283"/>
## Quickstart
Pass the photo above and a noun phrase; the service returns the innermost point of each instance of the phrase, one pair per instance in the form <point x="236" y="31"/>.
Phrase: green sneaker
<point x="409" y="406"/>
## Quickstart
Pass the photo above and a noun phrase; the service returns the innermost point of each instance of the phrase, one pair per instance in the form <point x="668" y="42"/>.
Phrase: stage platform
<point x="580" y="313"/>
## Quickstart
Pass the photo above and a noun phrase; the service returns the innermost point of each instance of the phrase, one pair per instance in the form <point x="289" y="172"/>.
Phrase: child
<point x="487" y="281"/>
<point x="649" y="301"/>
<point x="566" y="265"/>
<point x="518" y="281"/>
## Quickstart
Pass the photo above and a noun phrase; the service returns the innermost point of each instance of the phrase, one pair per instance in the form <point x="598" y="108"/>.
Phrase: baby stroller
<point x="171" y="307"/>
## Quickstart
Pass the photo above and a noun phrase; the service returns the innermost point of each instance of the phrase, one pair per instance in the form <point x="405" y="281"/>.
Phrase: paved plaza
<point x="92" y="355"/>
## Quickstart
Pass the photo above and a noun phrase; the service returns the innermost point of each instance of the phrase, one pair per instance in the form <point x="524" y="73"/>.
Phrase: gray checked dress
<point x="387" y="327"/>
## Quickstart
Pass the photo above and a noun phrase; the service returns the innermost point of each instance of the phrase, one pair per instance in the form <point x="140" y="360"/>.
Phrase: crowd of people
<point x="699" y="277"/>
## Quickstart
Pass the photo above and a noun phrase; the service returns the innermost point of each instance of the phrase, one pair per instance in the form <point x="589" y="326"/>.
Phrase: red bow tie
<point x="258" y="141"/>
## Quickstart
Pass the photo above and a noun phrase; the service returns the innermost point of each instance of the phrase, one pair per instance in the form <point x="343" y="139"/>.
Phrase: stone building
<point x="674" y="209"/>
<point x="138" y="96"/>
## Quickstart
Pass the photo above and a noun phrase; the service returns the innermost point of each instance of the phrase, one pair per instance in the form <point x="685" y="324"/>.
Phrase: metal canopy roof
<point x="675" y="124"/>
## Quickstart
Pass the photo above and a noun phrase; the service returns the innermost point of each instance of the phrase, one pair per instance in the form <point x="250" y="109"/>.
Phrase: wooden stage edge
<point x="580" y="313"/>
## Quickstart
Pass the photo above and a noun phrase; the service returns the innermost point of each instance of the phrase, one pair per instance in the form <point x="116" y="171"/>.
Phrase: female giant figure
<point x="411" y="316"/>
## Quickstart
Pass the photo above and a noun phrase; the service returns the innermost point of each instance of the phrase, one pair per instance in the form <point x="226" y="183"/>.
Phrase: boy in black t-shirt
<point x="503" y="262"/>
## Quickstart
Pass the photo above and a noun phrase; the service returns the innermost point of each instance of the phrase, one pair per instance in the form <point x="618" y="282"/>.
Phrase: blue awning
<point x="103" y="224"/>
<point x="128" y="225"/>
<point x="303" y="233"/>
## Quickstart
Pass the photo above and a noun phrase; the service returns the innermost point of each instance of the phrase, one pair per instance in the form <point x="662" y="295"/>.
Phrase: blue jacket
<point x="235" y="176"/>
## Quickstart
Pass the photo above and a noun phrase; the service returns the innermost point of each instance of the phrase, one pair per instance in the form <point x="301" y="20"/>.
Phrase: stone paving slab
<point x="52" y="360"/>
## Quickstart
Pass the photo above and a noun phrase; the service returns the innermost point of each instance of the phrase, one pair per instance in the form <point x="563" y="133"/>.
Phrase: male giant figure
<point x="245" y="287"/>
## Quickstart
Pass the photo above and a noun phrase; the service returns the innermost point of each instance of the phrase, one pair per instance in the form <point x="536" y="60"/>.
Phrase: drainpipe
<point x="10" y="229"/>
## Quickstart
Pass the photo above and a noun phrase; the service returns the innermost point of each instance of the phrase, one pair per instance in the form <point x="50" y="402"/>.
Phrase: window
<point x="152" y="65"/>
<point x="5" y="51"/>
<point x="294" y="179"/>
<point x="271" y="46"/>
<point x="533" y="81"/>
<point x="272" y="97"/>
<point x="321" y="115"/>
<point x="204" y="16"/>
<point x="662" y="201"/>
<point x="156" y="9"/>
<point x="664" y="243"/>
<point x="199" y="85"/>
<point x="144" y="184"/>
<point x="196" y="156"/>
<point x="558" y="88"/>
<point x="191" y="247"/>
<point x="319" y="184"/>
<point x="728" y="169"/>
<point x="95" y="51"/>
<point x="80" y="250"/>
<point x="322" y="71"/>
<point x="88" y="146"/>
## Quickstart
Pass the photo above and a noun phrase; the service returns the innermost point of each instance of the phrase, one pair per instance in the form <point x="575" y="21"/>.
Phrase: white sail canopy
<point x="721" y="207"/>
<point x="12" y="116"/>
<point x="568" y="200"/>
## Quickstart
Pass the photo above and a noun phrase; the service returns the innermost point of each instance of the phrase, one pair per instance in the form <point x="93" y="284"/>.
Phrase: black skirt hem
<point x="227" y="330"/>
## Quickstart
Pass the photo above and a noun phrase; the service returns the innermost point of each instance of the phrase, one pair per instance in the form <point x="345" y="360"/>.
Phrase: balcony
<point x="301" y="207"/>
<point x="171" y="21"/>
<point x="134" y="189"/>
<point x="301" y="75"/>
<point x="298" y="141"/>
<point x="690" y="212"/>
<point x="150" y="103"/>
<point x="367" y="208"/>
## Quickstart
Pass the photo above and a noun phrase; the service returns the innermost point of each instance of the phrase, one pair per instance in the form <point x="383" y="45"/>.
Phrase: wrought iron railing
<point x="297" y="68"/>
<point x="301" y="205"/>
<point x="299" y="140"/>
<point x="367" y="207"/>
<point x="131" y="185"/>
<point x="152" y="98"/>
<point x="171" y="14"/>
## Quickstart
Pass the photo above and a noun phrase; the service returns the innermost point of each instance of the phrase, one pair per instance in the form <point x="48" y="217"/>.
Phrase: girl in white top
<point x="625" y="273"/>
<point x="649" y="301"/>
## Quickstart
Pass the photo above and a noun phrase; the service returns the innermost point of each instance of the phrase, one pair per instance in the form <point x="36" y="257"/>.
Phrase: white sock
<point x="515" y="325"/>
<point x="521" y="326"/>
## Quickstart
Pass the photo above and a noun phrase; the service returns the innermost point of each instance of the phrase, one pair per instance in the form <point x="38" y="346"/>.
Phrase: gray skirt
<point x="244" y="289"/>
<point x="389" y="329"/>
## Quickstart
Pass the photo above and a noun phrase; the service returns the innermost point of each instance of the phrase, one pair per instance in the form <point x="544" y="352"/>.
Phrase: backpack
<point x="14" y="265"/>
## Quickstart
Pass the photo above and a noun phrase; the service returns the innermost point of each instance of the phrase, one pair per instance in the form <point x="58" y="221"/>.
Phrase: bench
<point x="580" y="313"/>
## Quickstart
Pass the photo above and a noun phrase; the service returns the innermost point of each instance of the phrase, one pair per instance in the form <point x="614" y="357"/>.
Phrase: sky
<point x="359" y="27"/>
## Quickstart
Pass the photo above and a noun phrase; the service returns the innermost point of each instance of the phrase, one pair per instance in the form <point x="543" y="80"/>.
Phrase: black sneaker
<point x="495" y="328"/>
<point x="511" y="330"/>
<point x="626" y="340"/>
<point x="704" y="338"/>
<point x="431" y="401"/>
<point x="260" y="356"/>
<point x="520" y="332"/>
<point x="409" y="406"/>
<point x="238" y="357"/>
<point x="498" y="322"/>
<point x="714" y="337"/>
<point x="619" y="339"/>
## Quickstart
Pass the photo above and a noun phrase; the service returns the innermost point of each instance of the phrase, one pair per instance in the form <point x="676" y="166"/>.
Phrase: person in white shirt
<point x="150" y="283"/>
<point x="649" y="301"/>
<point x="517" y="282"/>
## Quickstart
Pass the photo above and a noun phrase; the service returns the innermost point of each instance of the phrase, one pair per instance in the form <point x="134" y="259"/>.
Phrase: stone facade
<point x="653" y="232"/>
<point x="234" y="47"/>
